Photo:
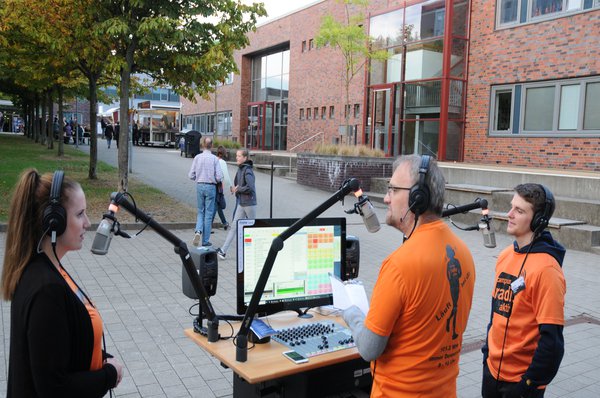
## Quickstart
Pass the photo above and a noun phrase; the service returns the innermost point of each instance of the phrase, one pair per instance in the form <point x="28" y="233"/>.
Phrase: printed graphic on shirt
<point x="503" y="295"/>
<point x="453" y="272"/>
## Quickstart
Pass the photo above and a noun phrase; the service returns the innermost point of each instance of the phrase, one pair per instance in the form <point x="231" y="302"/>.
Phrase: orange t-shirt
<point x="421" y="300"/>
<point x="542" y="301"/>
<point x="97" y="360"/>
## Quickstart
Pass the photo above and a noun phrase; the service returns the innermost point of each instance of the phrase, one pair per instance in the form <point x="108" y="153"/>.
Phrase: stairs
<point x="576" y="220"/>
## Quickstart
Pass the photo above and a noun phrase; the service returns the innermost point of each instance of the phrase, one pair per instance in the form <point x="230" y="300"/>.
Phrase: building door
<point x="260" y="126"/>
<point x="381" y="125"/>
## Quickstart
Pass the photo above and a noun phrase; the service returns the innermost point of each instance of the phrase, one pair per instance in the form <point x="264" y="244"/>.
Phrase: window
<point x="323" y="112"/>
<point x="591" y="120"/>
<point x="539" y="104"/>
<point x="502" y="105"/>
<point x="316" y="113"/>
<point x="308" y="113"/>
<point x="331" y="112"/>
<point x="301" y="113"/>
<point x="569" y="107"/>
<point x="356" y="110"/>
<point x="562" y="107"/>
<point x="522" y="11"/>
<point x="303" y="46"/>
<point x="311" y="44"/>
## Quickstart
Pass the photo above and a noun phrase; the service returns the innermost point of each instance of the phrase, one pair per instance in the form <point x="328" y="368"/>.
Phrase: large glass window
<point x="424" y="20"/>
<point x="270" y="77"/>
<point x="424" y="60"/>
<point x="460" y="17"/>
<point x="386" y="29"/>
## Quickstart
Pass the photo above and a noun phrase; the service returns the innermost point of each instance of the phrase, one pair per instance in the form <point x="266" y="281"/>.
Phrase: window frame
<point x="528" y="18"/>
<point x="494" y="109"/>
<point x="554" y="131"/>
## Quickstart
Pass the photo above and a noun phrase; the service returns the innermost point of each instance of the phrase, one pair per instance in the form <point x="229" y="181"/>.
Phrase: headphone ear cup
<point x="418" y="199"/>
<point x="55" y="219"/>
<point x="55" y="216"/>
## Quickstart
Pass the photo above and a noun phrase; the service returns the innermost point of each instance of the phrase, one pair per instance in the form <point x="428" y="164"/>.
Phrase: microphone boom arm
<point x="180" y="248"/>
<point x="241" y="341"/>
<point x="479" y="203"/>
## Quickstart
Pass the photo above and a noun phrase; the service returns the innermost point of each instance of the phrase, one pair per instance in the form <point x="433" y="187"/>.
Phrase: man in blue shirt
<point x="206" y="173"/>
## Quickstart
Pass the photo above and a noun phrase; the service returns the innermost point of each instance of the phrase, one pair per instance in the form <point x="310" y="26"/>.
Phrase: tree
<point x="351" y="40"/>
<point x="186" y="44"/>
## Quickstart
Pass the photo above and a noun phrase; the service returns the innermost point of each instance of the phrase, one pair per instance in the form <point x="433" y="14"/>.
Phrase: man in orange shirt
<point x="420" y="305"/>
<point x="525" y="343"/>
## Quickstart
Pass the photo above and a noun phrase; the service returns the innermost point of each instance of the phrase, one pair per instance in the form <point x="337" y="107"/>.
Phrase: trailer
<point x="158" y="124"/>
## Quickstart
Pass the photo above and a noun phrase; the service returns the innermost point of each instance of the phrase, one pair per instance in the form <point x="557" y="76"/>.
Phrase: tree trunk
<point x="123" y="154"/>
<point x="92" y="83"/>
<point x="36" y="121"/>
<point x="50" y="121"/>
<point x="61" y="117"/>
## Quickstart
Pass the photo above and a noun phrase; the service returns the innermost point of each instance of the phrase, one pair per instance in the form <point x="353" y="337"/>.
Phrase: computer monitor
<point x="300" y="275"/>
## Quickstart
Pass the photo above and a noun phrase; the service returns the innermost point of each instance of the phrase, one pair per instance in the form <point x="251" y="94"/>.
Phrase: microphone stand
<point x="241" y="342"/>
<point x="121" y="200"/>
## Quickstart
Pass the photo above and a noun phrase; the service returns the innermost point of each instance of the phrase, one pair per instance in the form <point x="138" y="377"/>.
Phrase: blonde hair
<point x="30" y="198"/>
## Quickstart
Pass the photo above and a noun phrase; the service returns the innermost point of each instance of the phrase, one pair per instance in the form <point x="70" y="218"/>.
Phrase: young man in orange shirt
<point x="413" y="331"/>
<point x="525" y="343"/>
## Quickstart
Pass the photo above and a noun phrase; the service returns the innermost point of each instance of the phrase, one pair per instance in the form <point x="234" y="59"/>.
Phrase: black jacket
<point x="245" y="181"/>
<point x="51" y="339"/>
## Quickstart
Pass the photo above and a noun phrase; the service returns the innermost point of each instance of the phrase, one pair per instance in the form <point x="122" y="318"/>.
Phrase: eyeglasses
<point x="392" y="188"/>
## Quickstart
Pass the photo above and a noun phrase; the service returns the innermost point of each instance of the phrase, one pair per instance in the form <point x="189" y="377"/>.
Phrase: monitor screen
<point x="300" y="275"/>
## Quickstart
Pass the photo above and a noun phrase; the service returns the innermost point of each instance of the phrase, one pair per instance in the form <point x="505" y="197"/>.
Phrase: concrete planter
<point x="329" y="172"/>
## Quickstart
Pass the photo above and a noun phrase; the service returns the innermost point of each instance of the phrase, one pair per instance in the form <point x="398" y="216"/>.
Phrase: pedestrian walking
<point x="117" y="133"/>
<point x="206" y="173"/>
<point x="244" y="190"/>
<point x="225" y="186"/>
<point x="108" y="133"/>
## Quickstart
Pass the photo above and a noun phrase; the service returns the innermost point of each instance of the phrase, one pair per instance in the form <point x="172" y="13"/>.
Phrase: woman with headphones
<point x="56" y="333"/>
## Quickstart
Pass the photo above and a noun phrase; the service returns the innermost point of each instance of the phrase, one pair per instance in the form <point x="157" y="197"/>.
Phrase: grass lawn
<point x="18" y="153"/>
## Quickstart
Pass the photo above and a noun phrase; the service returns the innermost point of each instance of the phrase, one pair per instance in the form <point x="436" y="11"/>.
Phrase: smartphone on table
<point x="295" y="357"/>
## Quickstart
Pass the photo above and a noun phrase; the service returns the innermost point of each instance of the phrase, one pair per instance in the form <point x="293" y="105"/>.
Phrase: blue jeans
<point x="205" y="194"/>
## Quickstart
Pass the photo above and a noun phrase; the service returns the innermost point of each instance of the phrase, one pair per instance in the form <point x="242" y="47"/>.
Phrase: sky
<point x="276" y="8"/>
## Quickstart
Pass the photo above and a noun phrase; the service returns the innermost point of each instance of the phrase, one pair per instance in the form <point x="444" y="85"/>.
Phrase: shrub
<point x="226" y="143"/>
<point x="348" y="150"/>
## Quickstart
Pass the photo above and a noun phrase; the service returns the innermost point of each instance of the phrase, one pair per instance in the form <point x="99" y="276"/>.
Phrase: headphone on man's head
<point x="541" y="218"/>
<point x="54" y="221"/>
<point x="419" y="197"/>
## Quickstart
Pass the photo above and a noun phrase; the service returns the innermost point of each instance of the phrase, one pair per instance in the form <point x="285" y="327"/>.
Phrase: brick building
<point x="499" y="82"/>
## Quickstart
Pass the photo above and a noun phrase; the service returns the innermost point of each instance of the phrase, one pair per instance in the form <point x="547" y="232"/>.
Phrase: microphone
<point x="365" y="209"/>
<point x="105" y="231"/>
<point x="485" y="225"/>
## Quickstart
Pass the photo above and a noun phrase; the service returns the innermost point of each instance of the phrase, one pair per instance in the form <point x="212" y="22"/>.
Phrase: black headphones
<point x="54" y="222"/>
<point x="541" y="218"/>
<point x="419" y="197"/>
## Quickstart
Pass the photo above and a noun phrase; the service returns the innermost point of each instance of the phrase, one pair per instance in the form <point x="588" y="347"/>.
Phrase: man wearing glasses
<point x="413" y="331"/>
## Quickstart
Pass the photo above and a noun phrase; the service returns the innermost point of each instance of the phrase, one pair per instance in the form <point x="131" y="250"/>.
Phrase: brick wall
<point x="329" y="172"/>
<point x="315" y="77"/>
<point x="556" y="49"/>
